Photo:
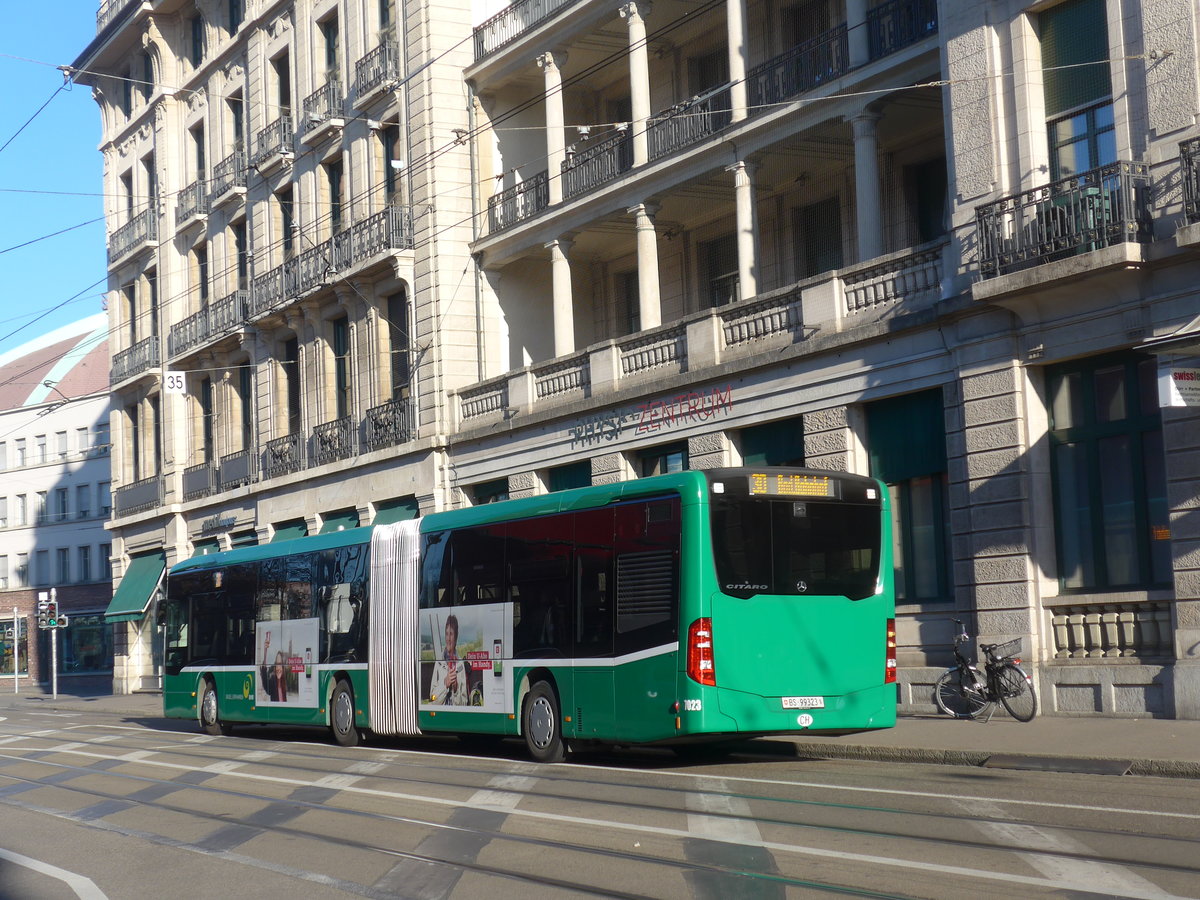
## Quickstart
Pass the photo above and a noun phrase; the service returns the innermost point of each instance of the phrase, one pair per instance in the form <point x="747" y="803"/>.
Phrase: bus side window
<point x="271" y="589"/>
<point x="537" y="556"/>
<point x="647" y="573"/>
<point x="241" y="589"/>
<point x="594" y="581"/>
<point x="341" y="579"/>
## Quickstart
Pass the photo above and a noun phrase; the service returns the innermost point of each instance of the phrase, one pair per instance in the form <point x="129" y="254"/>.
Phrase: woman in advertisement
<point x="449" y="683"/>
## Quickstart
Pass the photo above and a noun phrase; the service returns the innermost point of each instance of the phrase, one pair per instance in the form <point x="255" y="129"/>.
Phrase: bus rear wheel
<point x="341" y="716"/>
<point x="210" y="715"/>
<point x="542" y="725"/>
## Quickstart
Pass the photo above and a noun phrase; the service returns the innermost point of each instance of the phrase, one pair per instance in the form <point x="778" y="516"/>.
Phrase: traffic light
<point x="43" y="610"/>
<point x="52" y="620"/>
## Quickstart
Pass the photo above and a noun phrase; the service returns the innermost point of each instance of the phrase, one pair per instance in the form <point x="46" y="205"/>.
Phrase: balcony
<point x="192" y="203"/>
<point x="139" y="496"/>
<point x="274" y="145"/>
<point x="688" y="122"/>
<point x="199" y="481"/>
<point x="801" y="69"/>
<point x="109" y="10"/>
<point x="376" y="73"/>
<point x="191" y="332"/>
<point x="1189" y="163"/>
<point x="212" y="322"/>
<point x="1090" y="211"/>
<point x="388" y="424"/>
<point x="228" y="178"/>
<point x="141" y="357"/>
<point x="331" y="441"/>
<point x="519" y="202"/>
<point x="897" y="24"/>
<point x="141" y="229"/>
<point x="323" y="112"/>
<point x="283" y="456"/>
<point x="513" y="21"/>
<point x="238" y="469"/>
<point x="587" y="169"/>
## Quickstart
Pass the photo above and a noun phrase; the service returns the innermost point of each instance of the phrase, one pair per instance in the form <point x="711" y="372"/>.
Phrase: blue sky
<point x="50" y="173"/>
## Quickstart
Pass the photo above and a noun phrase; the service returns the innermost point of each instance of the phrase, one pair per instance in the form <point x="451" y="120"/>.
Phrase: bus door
<point x="593" y="625"/>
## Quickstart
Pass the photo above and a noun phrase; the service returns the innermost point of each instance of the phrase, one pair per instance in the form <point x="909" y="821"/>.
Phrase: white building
<point x="55" y="498"/>
<point x="415" y="256"/>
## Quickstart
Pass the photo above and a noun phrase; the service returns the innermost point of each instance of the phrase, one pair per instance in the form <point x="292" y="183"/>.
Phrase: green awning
<point x="287" y="531"/>
<point x="206" y="546"/>
<point x="136" y="588"/>
<point x="243" y="539"/>
<point x="339" y="520"/>
<point x="401" y="509"/>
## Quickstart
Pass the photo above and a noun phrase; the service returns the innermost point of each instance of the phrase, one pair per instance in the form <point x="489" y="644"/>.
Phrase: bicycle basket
<point x="1008" y="648"/>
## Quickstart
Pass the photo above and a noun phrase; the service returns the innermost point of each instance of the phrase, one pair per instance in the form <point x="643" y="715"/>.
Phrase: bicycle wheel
<point x="959" y="696"/>
<point x="1016" y="692"/>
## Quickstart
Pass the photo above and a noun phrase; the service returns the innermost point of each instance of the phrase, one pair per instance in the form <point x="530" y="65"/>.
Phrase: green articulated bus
<point x="694" y="607"/>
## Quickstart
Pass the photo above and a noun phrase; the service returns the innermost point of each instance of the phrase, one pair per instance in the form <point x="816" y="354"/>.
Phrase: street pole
<point x="16" y="651"/>
<point x="54" y="652"/>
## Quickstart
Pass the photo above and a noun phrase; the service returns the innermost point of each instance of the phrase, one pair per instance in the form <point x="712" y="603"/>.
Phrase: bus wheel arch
<point x="343" y="722"/>
<point x="208" y="710"/>
<point x="541" y="720"/>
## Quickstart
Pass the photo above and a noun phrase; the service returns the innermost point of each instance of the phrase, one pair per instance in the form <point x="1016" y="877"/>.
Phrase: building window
<point x="39" y="443"/>
<point x="196" y="45"/>
<point x="41" y="510"/>
<point x="83" y="501"/>
<point x="62" y="567"/>
<point x="242" y="254"/>
<point x="22" y="572"/>
<point x="127" y="96"/>
<point x="907" y="451"/>
<point x="572" y="475"/>
<point x="83" y="557"/>
<point x="104" y="497"/>
<point x="3" y="580"/>
<point x="329" y="38"/>
<point x="14" y="648"/>
<point x="333" y="189"/>
<point x="41" y="568"/>
<point x="664" y="459"/>
<point x="106" y="562"/>
<point x="398" y="349"/>
<point x="21" y="457"/>
<point x="22" y="509"/>
<point x="291" y="378"/>
<point x="81" y="440"/>
<point x="134" y="424"/>
<point x="773" y="443"/>
<point x="817" y="232"/>
<point x="3" y="512"/>
<point x="206" y="419"/>
<point x="629" y="304"/>
<point x="283" y="83"/>
<point x="236" y="13"/>
<point x="1108" y="472"/>
<point x="101" y="442"/>
<point x="341" y="366"/>
<point x="389" y="137"/>
<point x="285" y="221"/>
<point x="490" y="492"/>
<point x="245" y="396"/>
<point x="3" y="454"/>
<point x="719" y="264"/>
<point x="61" y="504"/>
<point x="147" y="79"/>
<point x="200" y="274"/>
<point x="60" y="441"/>
<point x="199" y="157"/>
<point x="1077" y="86"/>
<point x="237" y="122"/>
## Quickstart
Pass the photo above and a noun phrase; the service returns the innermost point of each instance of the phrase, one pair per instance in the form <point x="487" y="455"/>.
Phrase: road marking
<point x="732" y="819"/>
<point x="257" y="755"/>
<point x="135" y="755"/>
<point x="13" y="739"/>
<point x="1116" y="879"/>
<point x="365" y="768"/>
<point x="338" y="781"/>
<point x="502" y="793"/>
<point x="223" y="767"/>
<point x="84" y="888"/>
<point x="1085" y="885"/>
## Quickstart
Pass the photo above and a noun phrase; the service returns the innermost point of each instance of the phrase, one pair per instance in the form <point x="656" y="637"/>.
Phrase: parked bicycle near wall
<point x="964" y="692"/>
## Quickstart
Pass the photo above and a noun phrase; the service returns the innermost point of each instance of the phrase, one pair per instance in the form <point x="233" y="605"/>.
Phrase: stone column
<point x="564" y="307"/>
<point x="866" y="186"/>
<point x="747" y="226"/>
<point x="551" y="65"/>
<point x="735" y="25"/>
<point x="635" y="13"/>
<point x="649" y="305"/>
<point x="856" y="33"/>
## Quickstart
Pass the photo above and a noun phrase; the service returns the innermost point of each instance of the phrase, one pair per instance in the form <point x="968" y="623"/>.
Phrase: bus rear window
<point x="799" y="548"/>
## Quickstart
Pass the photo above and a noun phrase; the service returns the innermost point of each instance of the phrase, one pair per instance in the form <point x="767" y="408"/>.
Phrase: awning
<point x="137" y="586"/>
<point x="205" y="547"/>
<point x="338" y="520"/>
<point x="400" y="509"/>
<point x="243" y="539"/>
<point x="286" y="531"/>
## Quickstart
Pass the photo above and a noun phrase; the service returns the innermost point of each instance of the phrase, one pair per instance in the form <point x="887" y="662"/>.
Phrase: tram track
<point x="300" y="757"/>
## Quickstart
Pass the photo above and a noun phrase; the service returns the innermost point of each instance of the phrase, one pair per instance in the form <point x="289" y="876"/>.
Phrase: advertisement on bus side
<point x="285" y="655"/>
<point x="462" y="652"/>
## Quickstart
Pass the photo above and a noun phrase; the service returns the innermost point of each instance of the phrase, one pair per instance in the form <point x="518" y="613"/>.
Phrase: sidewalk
<point x="1163" y="747"/>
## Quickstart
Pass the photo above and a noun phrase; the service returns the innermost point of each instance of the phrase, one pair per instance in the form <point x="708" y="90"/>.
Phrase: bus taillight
<point x="700" y="665"/>
<point x="889" y="673"/>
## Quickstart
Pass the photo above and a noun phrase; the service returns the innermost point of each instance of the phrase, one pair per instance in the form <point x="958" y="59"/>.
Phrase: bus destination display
<point x="791" y="485"/>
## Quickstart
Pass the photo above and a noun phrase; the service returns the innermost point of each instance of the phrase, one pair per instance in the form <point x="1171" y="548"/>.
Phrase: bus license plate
<point x="803" y="702"/>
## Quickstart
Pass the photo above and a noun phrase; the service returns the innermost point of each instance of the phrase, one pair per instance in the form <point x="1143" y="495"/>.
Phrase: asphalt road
<point x="96" y="805"/>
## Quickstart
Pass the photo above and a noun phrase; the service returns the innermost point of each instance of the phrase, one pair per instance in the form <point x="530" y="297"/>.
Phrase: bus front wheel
<point x="341" y="716"/>
<point x="542" y="725"/>
<point x="210" y="715"/>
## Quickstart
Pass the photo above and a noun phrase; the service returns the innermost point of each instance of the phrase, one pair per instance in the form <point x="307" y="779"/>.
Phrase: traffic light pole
<point x="16" y="652"/>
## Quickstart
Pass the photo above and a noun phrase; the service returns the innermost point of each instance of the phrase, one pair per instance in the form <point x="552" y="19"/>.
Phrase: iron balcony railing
<point x="379" y="67"/>
<point x="801" y="69"/>
<point x="689" y="121"/>
<point x="214" y="320"/>
<point x="192" y="201"/>
<point x="1189" y="162"/>
<point x="199" y="481"/>
<point x="137" y="359"/>
<point x="587" y="169"/>
<point x="331" y="441"/>
<point x="519" y="202"/>
<point x="283" y="455"/>
<point x="108" y="11"/>
<point x="228" y="174"/>
<point x="191" y="332"/>
<point x="322" y="105"/>
<point x="141" y="229"/>
<point x="896" y="24"/>
<point x="138" y="496"/>
<point x="388" y="424"/>
<point x="278" y="137"/>
<point x="229" y="313"/>
<point x="238" y="469"/>
<point x="1095" y="209"/>
<point x="513" y="21"/>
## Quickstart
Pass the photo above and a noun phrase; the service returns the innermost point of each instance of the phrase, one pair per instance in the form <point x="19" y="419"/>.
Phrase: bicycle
<point x="963" y="692"/>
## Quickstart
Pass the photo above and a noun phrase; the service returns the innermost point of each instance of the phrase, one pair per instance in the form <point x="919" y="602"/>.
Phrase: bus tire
<point x="210" y="714"/>
<point x="542" y="725"/>
<point x="341" y="715"/>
